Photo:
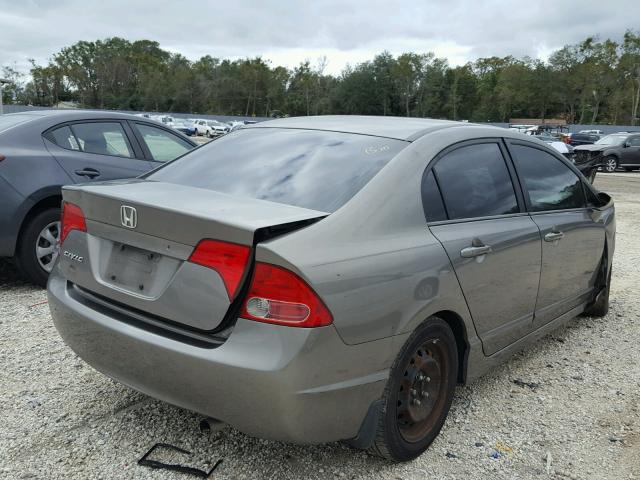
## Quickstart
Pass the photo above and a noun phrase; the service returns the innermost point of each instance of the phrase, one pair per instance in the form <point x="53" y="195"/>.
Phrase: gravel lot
<point x="576" y="416"/>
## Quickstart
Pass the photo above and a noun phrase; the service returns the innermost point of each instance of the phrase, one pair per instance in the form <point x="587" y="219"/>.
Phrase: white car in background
<point x="166" y="119"/>
<point x="202" y="127"/>
<point x="217" y="128"/>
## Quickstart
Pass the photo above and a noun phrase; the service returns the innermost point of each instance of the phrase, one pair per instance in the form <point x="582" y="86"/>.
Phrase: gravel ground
<point x="573" y="411"/>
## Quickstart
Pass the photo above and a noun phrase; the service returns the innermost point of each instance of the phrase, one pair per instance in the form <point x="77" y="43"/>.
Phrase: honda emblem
<point x="128" y="216"/>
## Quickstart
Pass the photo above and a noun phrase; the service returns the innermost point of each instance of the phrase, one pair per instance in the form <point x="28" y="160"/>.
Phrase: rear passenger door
<point x="96" y="150"/>
<point x="573" y="237"/>
<point x="476" y="210"/>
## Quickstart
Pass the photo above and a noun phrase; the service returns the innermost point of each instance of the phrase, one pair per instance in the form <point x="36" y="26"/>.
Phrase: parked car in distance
<point x="595" y="132"/>
<point x="41" y="151"/>
<point x="618" y="150"/>
<point x="331" y="278"/>
<point x="202" y="127"/>
<point x="165" y="119"/>
<point x="217" y="128"/>
<point x="576" y="139"/>
<point x="588" y="168"/>
<point x="185" y="126"/>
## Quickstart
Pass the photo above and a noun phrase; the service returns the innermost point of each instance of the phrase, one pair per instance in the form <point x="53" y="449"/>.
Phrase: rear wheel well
<point x="460" y="333"/>
<point x="54" y="201"/>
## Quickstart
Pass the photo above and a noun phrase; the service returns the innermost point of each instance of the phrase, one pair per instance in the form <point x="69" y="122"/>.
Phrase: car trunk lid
<point x="141" y="236"/>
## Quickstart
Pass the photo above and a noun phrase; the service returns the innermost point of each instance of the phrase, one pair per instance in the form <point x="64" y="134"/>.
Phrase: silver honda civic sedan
<point x="330" y="278"/>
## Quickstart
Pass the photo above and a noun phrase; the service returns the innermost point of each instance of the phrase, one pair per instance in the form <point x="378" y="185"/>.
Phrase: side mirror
<point x="603" y="198"/>
<point x="626" y="145"/>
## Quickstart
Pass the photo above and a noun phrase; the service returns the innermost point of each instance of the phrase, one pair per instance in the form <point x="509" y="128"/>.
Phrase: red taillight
<point x="228" y="259"/>
<point x="72" y="219"/>
<point x="279" y="296"/>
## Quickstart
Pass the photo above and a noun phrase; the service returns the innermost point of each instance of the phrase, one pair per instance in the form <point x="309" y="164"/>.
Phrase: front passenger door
<point x="573" y="237"/>
<point x="492" y="243"/>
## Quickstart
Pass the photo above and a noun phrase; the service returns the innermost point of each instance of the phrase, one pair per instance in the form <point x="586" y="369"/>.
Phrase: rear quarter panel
<point x="374" y="262"/>
<point x="31" y="175"/>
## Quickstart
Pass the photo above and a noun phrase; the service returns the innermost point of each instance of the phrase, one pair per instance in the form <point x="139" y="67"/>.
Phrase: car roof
<point x="400" y="128"/>
<point x="68" y="115"/>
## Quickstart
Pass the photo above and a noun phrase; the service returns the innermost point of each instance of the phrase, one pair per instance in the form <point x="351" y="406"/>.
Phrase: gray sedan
<point x="331" y="278"/>
<point x="42" y="150"/>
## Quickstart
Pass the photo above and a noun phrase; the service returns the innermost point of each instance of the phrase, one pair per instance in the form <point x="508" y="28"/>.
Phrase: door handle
<point x="88" y="172"/>
<point x="553" y="236"/>
<point x="475" y="250"/>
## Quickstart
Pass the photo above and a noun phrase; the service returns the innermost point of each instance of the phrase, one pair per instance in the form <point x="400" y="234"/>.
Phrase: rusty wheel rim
<point x="422" y="391"/>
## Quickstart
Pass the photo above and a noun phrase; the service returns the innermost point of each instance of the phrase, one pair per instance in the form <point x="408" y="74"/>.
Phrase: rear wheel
<point x="610" y="164"/>
<point x="38" y="246"/>
<point x="418" y="394"/>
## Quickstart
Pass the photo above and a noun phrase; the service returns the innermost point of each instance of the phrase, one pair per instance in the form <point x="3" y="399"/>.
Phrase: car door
<point x="160" y="145"/>
<point x="630" y="153"/>
<point x="492" y="243"/>
<point x="572" y="233"/>
<point x="96" y="150"/>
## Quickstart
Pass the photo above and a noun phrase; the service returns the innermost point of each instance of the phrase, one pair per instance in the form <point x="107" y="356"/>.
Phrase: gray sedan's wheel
<point x="47" y="246"/>
<point x="610" y="164"/>
<point x="38" y="246"/>
<point x="418" y="394"/>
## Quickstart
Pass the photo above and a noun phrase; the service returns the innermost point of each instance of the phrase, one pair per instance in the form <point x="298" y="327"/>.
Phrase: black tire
<point x="600" y="306"/>
<point x="610" y="164"/>
<point x="26" y="258"/>
<point x="428" y="362"/>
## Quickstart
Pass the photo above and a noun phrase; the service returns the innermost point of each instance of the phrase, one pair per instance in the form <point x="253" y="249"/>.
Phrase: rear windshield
<point x="13" y="119"/>
<point x="313" y="169"/>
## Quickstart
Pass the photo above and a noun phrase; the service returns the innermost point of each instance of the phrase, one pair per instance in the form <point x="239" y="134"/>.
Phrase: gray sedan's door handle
<point x="475" y="251"/>
<point x="553" y="236"/>
<point x="88" y="172"/>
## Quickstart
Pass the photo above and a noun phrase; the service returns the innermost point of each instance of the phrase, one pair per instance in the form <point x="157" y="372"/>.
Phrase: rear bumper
<point x="287" y="384"/>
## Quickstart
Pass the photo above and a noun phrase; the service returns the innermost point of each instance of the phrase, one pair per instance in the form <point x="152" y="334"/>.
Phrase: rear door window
<point x="162" y="145"/>
<point x="550" y="184"/>
<point x="63" y="137"/>
<point x="475" y="182"/>
<point x="102" y="138"/>
<point x="313" y="169"/>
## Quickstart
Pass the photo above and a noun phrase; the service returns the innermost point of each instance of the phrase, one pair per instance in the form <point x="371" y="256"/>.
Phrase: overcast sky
<point x="289" y="31"/>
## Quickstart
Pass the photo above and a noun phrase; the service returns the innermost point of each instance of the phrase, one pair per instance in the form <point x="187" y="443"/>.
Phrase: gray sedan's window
<point x="63" y="137"/>
<point x="162" y="145"/>
<point x="475" y="182"/>
<point x="314" y="169"/>
<point x="102" y="138"/>
<point x="551" y="185"/>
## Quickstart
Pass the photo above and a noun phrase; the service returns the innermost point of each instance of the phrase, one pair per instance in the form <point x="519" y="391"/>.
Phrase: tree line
<point x="594" y="81"/>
